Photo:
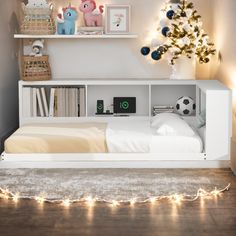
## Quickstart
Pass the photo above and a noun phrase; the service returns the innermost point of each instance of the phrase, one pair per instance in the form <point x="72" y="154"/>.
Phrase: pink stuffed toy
<point x="92" y="17"/>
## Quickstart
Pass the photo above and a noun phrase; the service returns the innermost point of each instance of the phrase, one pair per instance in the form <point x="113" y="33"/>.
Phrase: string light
<point x="66" y="202"/>
<point x="15" y="197"/>
<point x="132" y="201"/>
<point x="115" y="203"/>
<point x="152" y="200"/>
<point x="175" y="198"/>
<point x="40" y="199"/>
<point x="90" y="201"/>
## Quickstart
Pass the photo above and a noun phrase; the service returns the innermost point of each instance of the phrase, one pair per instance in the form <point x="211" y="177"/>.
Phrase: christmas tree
<point x="182" y="33"/>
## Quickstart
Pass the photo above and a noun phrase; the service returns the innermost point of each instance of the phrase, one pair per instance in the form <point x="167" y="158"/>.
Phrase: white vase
<point x="184" y="68"/>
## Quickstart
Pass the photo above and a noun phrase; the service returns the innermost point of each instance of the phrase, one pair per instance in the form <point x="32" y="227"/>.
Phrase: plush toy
<point x="38" y="4"/>
<point x="92" y="17"/>
<point x="66" y="24"/>
<point x="37" y="48"/>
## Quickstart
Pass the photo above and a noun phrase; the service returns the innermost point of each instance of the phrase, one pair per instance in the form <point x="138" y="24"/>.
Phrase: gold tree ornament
<point x="183" y="34"/>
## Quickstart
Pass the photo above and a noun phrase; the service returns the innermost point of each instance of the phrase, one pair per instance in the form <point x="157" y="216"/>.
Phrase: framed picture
<point x="118" y="19"/>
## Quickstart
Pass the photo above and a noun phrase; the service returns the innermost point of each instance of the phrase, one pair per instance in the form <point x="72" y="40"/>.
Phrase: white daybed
<point x="131" y="142"/>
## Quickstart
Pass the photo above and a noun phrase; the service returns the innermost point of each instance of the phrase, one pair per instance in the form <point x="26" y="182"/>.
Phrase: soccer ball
<point x="185" y="106"/>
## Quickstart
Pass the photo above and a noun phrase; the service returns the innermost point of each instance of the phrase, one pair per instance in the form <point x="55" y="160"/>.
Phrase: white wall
<point x="225" y="38"/>
<point x="8" y="69"/>
<point x="118" y="58"/>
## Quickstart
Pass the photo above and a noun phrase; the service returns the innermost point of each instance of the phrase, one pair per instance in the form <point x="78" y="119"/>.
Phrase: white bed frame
<point x="217" y="138"/>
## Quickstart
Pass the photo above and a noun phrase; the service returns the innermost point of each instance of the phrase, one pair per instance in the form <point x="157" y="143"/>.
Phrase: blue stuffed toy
<point x="67" y="24"/>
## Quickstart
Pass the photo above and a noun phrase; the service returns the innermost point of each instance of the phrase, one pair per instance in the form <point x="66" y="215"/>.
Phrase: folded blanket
<point x="58" y="138"/>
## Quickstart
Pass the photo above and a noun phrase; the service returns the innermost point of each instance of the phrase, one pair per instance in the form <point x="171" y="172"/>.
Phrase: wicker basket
<point x="37" y="21"/>
<point x="36" y="68"/>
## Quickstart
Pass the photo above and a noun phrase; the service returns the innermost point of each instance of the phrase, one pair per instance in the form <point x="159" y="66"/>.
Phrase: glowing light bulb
<point x="132" y="201"/>
<point x="177" y="198"/>
<point x="115" y="203"/>
<point x="16" y="197"/>
<point x="66" y="202"/>
<point x="215" y="192"/>
<point x="152" y="200"/>
<point x="90" y="201"/>
<point x="40" y="200"/>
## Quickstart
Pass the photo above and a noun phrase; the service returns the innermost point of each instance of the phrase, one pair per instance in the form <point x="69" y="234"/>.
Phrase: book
<point x="45" y="103"/>
<point x="34" y="102"/>
<point x="40" y="104"/>
<point x="51" y="104"/>
<point x="27" y="105"/>
<point x="82" y="102"/>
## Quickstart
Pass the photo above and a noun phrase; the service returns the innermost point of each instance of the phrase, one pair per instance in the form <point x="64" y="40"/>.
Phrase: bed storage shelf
<point x="208" y="95"/>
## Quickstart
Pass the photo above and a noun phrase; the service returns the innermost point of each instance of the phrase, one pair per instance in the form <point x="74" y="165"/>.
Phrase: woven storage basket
<point x="36" y="68"/>
<point x="37" y="21"/>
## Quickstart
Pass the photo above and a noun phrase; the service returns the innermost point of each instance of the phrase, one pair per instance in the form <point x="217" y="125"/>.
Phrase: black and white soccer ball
<point x="185" y="106"/>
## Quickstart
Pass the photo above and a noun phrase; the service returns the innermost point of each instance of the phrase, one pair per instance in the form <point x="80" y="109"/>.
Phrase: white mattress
<point x="139" y="137"/>
<point x="175" y="144"/>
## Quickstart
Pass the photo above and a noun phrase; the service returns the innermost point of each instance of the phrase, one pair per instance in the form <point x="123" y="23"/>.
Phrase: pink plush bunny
<point x="92" y="17"/>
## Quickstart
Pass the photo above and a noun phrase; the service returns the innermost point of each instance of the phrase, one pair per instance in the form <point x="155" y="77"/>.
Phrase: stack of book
<point x="60" y="102"/>
<point x="160" y="109"/>
<point x="91" y="30"/>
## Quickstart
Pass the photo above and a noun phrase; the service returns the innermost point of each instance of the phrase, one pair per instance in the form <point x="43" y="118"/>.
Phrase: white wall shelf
<point x="77" y="36"/>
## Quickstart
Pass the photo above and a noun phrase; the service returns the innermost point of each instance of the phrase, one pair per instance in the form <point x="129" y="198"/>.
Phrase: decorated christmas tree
<point x="180" y="33"/>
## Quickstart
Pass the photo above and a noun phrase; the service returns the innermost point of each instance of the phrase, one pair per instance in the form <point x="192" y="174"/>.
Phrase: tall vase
<point x="184" y="68"/>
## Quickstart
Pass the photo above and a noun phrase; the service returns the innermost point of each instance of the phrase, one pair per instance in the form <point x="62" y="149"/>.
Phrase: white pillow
<point x="170" y="124"/>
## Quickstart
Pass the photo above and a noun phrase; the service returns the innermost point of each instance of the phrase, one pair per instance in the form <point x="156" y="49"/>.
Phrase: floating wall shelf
<point x="76" y="36"/>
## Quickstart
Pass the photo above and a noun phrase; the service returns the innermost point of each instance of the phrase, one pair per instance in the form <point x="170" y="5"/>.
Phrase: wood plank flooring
<point x="213" y="217"/>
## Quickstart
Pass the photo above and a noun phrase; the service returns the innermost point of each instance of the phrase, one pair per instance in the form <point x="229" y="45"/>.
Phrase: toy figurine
<point x="37" y="48"/>
<point x="92" y="17"/>
<point x="66" y="25"/>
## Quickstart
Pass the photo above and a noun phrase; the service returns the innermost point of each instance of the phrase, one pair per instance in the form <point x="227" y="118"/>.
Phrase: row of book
<point x="161" y="109"/>
<point x="55" y="102"/>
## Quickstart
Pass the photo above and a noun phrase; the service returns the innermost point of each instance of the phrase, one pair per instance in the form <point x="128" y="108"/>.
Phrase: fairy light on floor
<point x="66" y="202"/>
<point x="90" y="201"/>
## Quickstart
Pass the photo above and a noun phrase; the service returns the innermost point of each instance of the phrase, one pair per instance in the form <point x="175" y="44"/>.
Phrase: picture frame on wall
<point x="117" y="19"/>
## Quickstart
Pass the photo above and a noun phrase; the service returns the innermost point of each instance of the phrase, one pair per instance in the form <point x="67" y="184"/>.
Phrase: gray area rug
<point x="116" y="184"/>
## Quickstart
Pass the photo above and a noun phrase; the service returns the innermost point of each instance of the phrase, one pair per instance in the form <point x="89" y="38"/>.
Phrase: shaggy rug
<point x="117" y="184"/>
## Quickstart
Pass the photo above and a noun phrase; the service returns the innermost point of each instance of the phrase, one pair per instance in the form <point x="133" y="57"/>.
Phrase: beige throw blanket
<point x="58" y="138"/>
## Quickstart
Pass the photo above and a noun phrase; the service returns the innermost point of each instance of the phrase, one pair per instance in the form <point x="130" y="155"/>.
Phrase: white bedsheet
<point x="139" y="137"/>
<point x="128" y="136"/>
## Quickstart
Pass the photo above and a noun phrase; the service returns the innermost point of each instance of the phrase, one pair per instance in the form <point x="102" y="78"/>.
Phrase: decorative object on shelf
<point x="37" y="48"/>
<point x="123" y="105"/>
<point x="66" y="24"/>
<point x="91" y="30"/>
<point x="100" y="107"/>
<point x="36" y="68"/>
<point x="185" y="106"/>
<point x="180" y="34"/>
<point x="162" y="109"/>
<point x="118" y="19"/>
<point x="37" y="18"/>
<point x="92" y="16"/>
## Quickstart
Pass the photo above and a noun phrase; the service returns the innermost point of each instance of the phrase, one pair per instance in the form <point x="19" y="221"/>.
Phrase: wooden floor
<point x="214" y="217"/>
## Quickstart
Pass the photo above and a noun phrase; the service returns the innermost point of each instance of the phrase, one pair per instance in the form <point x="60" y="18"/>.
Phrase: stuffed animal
<point x="38" y="4"/>
<point x="37" y="48"/>
<point x="66" y="25"/>
<point x="92" y="17"/>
